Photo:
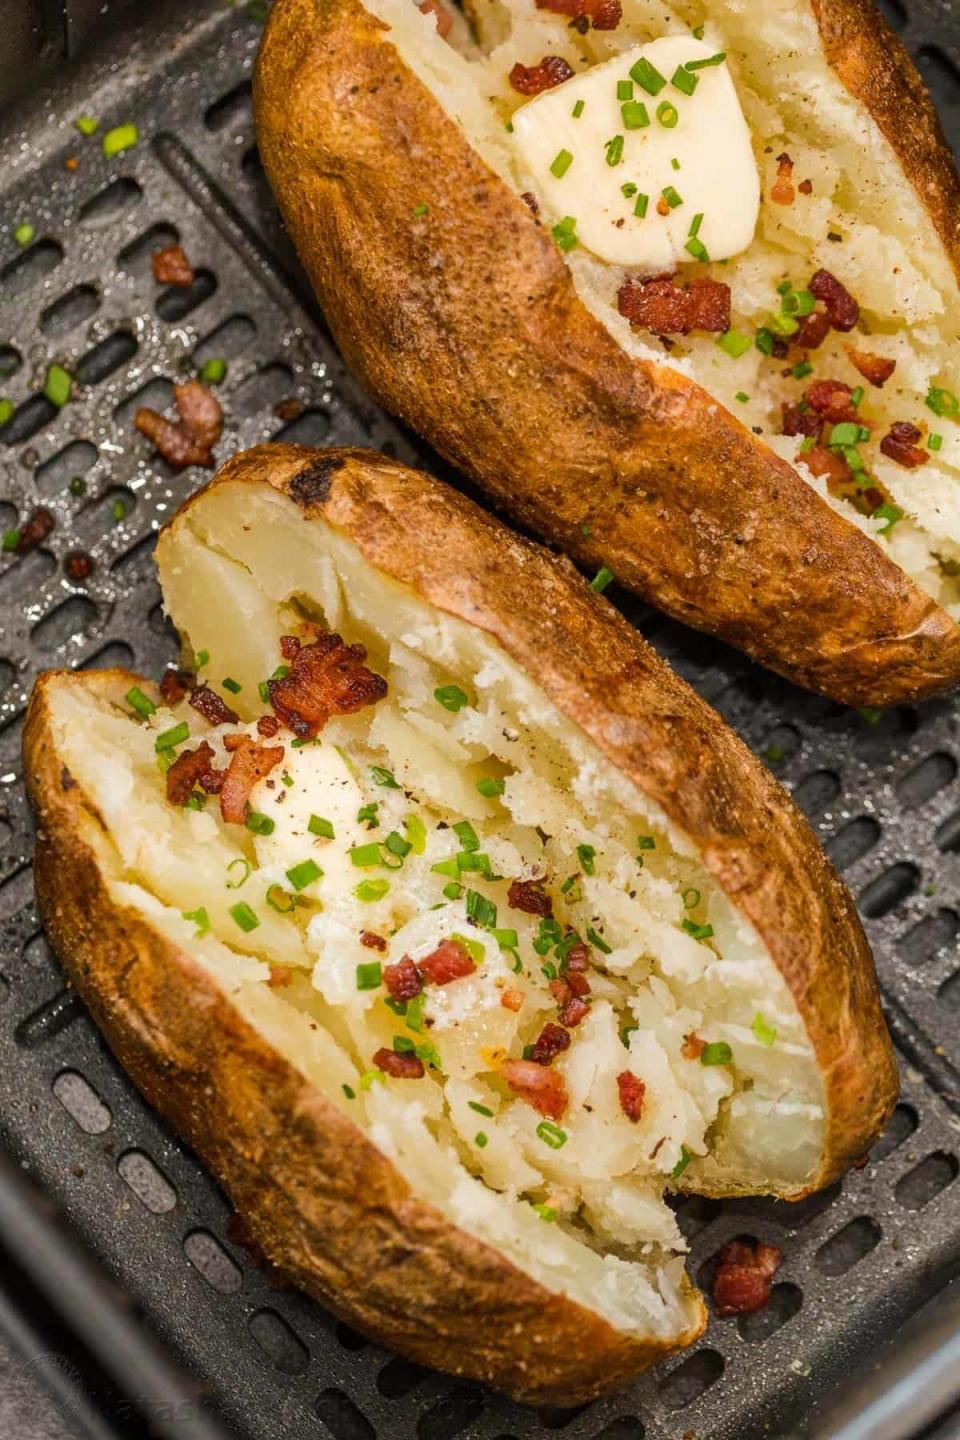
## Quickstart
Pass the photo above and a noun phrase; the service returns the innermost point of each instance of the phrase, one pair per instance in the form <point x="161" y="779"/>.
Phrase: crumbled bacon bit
<point x="813" y="330"/>
<point x="875" y="368"/>
<point x="549" y="1043"/>
<point x="632" y="1092"/>
<point x="188" y="771"/>
<point x="805" y="187"/>
<point x="403" y="979"/>
<point x="372" y="941"/>
<point x="171" y="266"/>
<point x="401" y="1067"/>
<point x="782" y="192"/>
<point x="560" y="991"/>
<point x="530" y="897"/>
<point x="601" y="14"/>
<point x="289" y="408"/>
<point x="663" y="206"/>
<point x="900" y="444"/>
<point x="578" y="983"/>
<point x="828" y="465"/>
<point x="530" y="200"/>
<point x="280" y="977"/>
<point x="249" y="763"/>
<point x="578" y="957"/>
<point x="78" y="565"/>
<point x="692" y="1047"/>
<point x="212" y="706"/>
<point x="534" y="79"/>
<point x="189" y="440"/>
<point x="741" y="1283"/>
<point x="843" y="310"/>
<point x="512" y="999"/>
<point x="326" y="678"/>
<point x="35" y="529"/>
<point x="661" y="305"/>
<point x="573" y="1012"/>
<point x="443" y="17"/>
<point x="540" y="1086"/>
<point x="831" y="400"/>
<point x="450" y="961"/>
<point x="268" y="726"/>
<point x="798" y="421"/>
<point x="174" y="686"/>
<point x="289" y="647"/>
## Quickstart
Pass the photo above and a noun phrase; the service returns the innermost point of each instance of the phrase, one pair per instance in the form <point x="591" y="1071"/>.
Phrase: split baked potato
<point x="448" y="926"/>
<point x="689" y="312"/>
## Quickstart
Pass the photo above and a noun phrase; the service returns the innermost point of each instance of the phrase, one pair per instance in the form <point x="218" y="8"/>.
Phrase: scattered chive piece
<point x="480" y="1109"/>
<point x="481" y="909"/>
<point x="372" y="889"/>
<point x="697" y="32"/>
<point x="798" y="302"/>
<point x="735" y="343"/>
<point x="627" y="191"/>
<point x="697" y="249"/>
<point x="364" y="856"/>
<point x="369" y="814"/>
<point x="647" y="76"/>
<point x="672" y="196"/>
<point x="57" y="386"/>
<point x="598" y="942"/>
<point x="120" y="138"/>
<point x="420" y="210"/>
<point x="11" y="539"/>
<point x="807" y="444"/>
<point x="304" y="874"/>
<point x="213" y="371"/>
<point x="417" y="833"/>
<point x="564" y="233"/>
<point x="279" y="900"/>
<point x="203" y="658"/>
<point x="446" y="867"/>
<point x="244" y="916"/>
<point x="845" y="433"/>
<point x="683" y="80"/>
<point x="601" y="580"/>
<point x="369" y="975"/>
<point x="141" y="703"/>
<point x="765" y="1032"/>
<point x="451" y="697"/>
<point x="506" y="939"/>
<point x="695" y="224"/>
<point x="119" y="511"/>
<point x="682" y="1163"/>
<point x="369" y="1076"/>
<point x="317" y="825"/>
<point x="717" y="59"/>
<point x="86" y="124"/>
<point x="646" y="842"/>
<point x="403" y="1045"/>
<point x="742" y="396"/>
<point x="466" y="834"/>
<point x="699" y="932"/>
<point x="690" y="897"/>
<point x="890" y="513"/>
<point x="233" y="686"/>
<point x="561" y="163"/>
<point x="287" y="780"/>
<point x="586" y="855"/>
<point x="674" y="164"/>
<point x="176" y="735"/>
<point x="640" y="209"/>
<point x="943" y="403"/>
<point x="200" y="918"/>
<point x="934" y="441"/>
<point x="453" y="891"/>
<point x="635" y="115"/>
<point x="765" y="341"/>
<point x="551" y="1134"/>
<point x="6" y="412"/>
<point x="624" y="89"/>
<point x="349" y="1091"/>
<point x="260" y="824"/>
<point x="281" y="672"/>
<point x="396" y="845"/>
<point x="263" y="690"/>
<point x="245" y="869"/>
<point x="546" y="1212"/>
<point x="490" y="786"/>
<point x="24" y="233"/>
<point x="614" y="150"/>
<point x="578" y="109"/>
<point x="380" y="776"/>
<point x="783" y="324"/>
<point x="585" y="530"/>
<point x="667" y="114"/>
<point x="856" y="396"/>
<point x="473" y="947"/>
<point x="801" y="371"/>
<point x="480" y="1140"/>
<point x="718" y="1052"/>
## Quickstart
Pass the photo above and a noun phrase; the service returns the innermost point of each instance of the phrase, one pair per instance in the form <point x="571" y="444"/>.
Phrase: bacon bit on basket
<point x="573" y="1012"/>
<point x="632" y="1092"/>
<point x="36" y="528"/>
<point x="450" y="961"/>
<point x="783" y="192"/>
<point x="741" y="1283"/>
<point x="601" y="14"/>
<point x="372" y="941"/>
<point x="189" y="440"/>
<point x="551" y="1041"/>
<point x="326" y="678"/>
<point x="831" y="399"/>
<point x="443" y="17"/>
<point x="843" y="310"/>
<point x="212" y="706"/>
<point x="280" y="977"/>
<point x="401" y="1067"/>
<point x="249" y="763"/>
<point x="875" y="368"/>
<point x="530" y="897"/>
<point x="661" y="305"/>
<point x="692" y="1047"/>
<point x="187" y="771"/>
<point x="512" y="999"/>
<point x="289" y="647"/>
<point x="541" y="1087"/>
<point x="174" y="685"/>
<point x="797" y="421"/>
<point x="534" y="79"/>
<point x="78" y="565"/>
<point x="403" y="979"/>
<point x="268" y="726"/>
<point x="805" y="187"/>
<point x="171" y="266"/>
<point x="901" y="445"/>
<point x="813" y="330"/>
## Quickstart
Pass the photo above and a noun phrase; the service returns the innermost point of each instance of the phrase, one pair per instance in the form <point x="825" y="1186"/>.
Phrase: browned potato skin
<point x="465" y="322"/>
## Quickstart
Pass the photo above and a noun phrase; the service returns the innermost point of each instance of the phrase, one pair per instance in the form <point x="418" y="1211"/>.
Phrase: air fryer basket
<point x="882" y="792"/>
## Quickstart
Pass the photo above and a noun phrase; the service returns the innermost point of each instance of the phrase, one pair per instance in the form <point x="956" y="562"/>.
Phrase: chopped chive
<point x="233" y="686"/>
<point x="396" y="844"/>
<point x="646" y="842"/>
<point x="672" y="196"/>
<point x="763" y="1030"/>
<point x="369" y="975"/>
<point x="699" y="932"/>
<point x="801" y="371"/>
<point x="317" y="825"/>
<point x="372" y="889"/>
<point x="6" y="413"/>
<point x="200" y="918"/>
<point x="934" y="441"/>
<point x="697" y="249"/>
<point x="888" y="512"/>
<point x="718" y="1052"/>
<point x="784" y="287"/>
<point x="614" y="150"/>
<point x="551" y="1134"/>
<point x="943" y="403"/>
<point x="674" y="164"/>
<point x="578" y="109"/>
<point x="24" y="233"/>
<point x="798" y="302"/>
<point x="304" y="874"/>
<point x="466" y="834"/>
<point x="480" y="1109"/>
<point x="765" y="341"/>
<point x="564" y="233"/>
<point x="414" y="1017"/>
<point x="263" y="690"/>
<point x="416" y="832"/>
<point x="856" y="396"/>
<point x="451" y="697"/>
<point x="561" y="163"/>
<point x="601" y="580"/>
<point x="279" y="900"/>
<point x="695" y="224"/>
<point x="474" y="949"/>
<point x="635" y="115"/>
<point x="586" y="855"/>
<point x="683" y="80"/>
<point x="244" y="916"/>
<point x="202" y="658"/>
<point x="808" y="442"/>
<point x="168" y="739"/>
<point x="490" y="786"/>
<point x="57" y="386"/>
<point x="783" y="324"/>
<point x="120" y="138"/>
<point x="546" y="1212"/>
<point x="260" y="824"/>
<point x="11" y="539"/>
<point x="734" y="343"/>
<point x="369" y="1077"/>
<point x="213" y="371"/>
<point x="506" y="939"/>
<point x="480" y="909"/>
<point x="364" y="856"/>
<point x="420" y="210"/>
<point x="647" y="76"/>
<point x="667" y="114"/>
<point x="682" y="1163"/>
<point x="143" y="705"/>
<point x="742" y="396"/>
<point x="453" y="890"/>
<point x="243" y="872"/>
<point x="287" y="780"/>
<point x="446" y="867"/>
<point x="717" y="59"/>
<point x="598" y="942"/>
<point x="119" y="511"/>
<point x="480" y="1140"/>
<point x="624" y="89"/>
<point x="690" y="897"/>
<point x="640" y="209"/>
<point x="845" y="433"/>
<point x="281" y="672"/>
<point x="369" y="814"/>
<point x="349" y="1091"/>
<point x="627" y="191"/>
<point x="380" y="776"/>
<point x="86" y="124"/>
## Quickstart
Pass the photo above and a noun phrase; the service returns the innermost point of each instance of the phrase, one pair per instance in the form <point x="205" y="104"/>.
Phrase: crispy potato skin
<point x="465" y="322"/>
<point x="599" y="672"/>
<point x="319" y="1199"/>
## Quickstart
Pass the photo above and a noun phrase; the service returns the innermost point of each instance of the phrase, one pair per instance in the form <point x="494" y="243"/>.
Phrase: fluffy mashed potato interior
<point x="408" y="821"/>
<point x="861" y="220"/>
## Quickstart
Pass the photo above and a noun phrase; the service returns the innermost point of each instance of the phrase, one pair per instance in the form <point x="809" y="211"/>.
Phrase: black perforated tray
<point x="883" y="796"/>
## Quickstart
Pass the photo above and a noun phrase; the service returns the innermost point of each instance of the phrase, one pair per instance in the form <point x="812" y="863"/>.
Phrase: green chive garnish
<point x="682" y="1163"/>
<point x="578" y="109"/>
<point x="243" y="872"/>
<point x="168" y="739"/>
<point x="890" y="513"/>
<point x="552" y="1135"/>
<point x="614" y="150"/>
<point x="742" y="396"/>
<point x="598" y="942"/>
<point x="667" y="114"/>
<point x="317" y="825"/>
<point x="141" y="703"/>
<point x="943" y="403"/>
<point x="717" y="59"/>
<point x="695" y="224"/>
<point x="846" y="433"/>
<point x="586" y="855"/>
<point x="120" y="138"/>
<point x="372" y="889"/>
<point x="490" y="786"/>
<point x="451" y="697"/>
<point x="699" y="932"/>
<point x="466" y="834"/>
<point x="200" y="918"/>
<point x="672" y="196"/>
<point x="364" y="856"/>
<point x="856" y="396"/>
<point x="640" y="209"/>
<point x="349" y="1091"/>
<point x="86" y="124"/>
<point x="601" y="580"/>
<point x="934" y="441"/>
<point x="24" y="234"/>
<point x="683" y="80"/>
<point x="561" y="163"/>
<point x="6" y="413"/>
<point x="735" y="343"/>
<point x="546" y="1212"/>
<point x="801" y="371"/>
<point x="420" y="210"/>
<point x="647" y="76"/>
<point x="718" y="1052"/>
<point x="244" y="916"/>
<point x="481" y="909"/>
<point x="635" y="115"/>
<point x="627" y="191"/>
<point x="233" y="686"/>
<point x="624" y="89"/>
<point x="57" y="386"/>
<point x="304" y="874"/>
<point x="213" y="371"/>
<point x="260" y="824"/>
<point x="480" y="1109"/>
<point x="765" y="1032"/>
<point x="564" y="233"/>
<point x="380" y="776"/>
<point x="480" y="1140"/>
<point x="369" y="975"/>
<point x="697" y="249"/>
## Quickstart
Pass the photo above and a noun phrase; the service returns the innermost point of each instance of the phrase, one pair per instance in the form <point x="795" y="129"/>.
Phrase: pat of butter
<point x="705" y="158"/>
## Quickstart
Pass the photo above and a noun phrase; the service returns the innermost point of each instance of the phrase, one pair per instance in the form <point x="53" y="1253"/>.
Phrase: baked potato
<point x="675" y="283"/>
<point x="449" y="927"/>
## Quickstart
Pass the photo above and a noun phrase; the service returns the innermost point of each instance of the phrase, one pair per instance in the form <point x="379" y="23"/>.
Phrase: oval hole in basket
<point x="949" y="992"/>
<point x="928" y="939"/>
<point x="311" y="427"/>
<point x="116" y="653"/>
<point x="71" y="617"/>
<point x="26" y="575"/>
<point x="156" y="394"/>
<point x="262" y="389"/>
<point x="98" y="516"/>
<point x="209" y="1259"/>
<point x="139" y="557"/>
<point x="28" y="419"/>
<point x="925" y="779"/>
<point x="7" y="676"/>
<point x="816" y="790"/>
<point x="137" y="257"/>
<point x="108" y="204"/>
<point x="848" y="1246"/>
<point x="452" y="1415"/>
<point x="81" y="1102"/>
<point x="10" y="361"/>
<point x="147" y="1181"/>
<point x="785" y="1301"/>
<point x="853" y="841"/>
<point x="903" y="1122"/>
<point x="71" y="309"/>
<point x="20" y="273"/>
<point x="895" y="12"/>
<point x="56" y="473"/>
<point x="276" y="1339"/>
<point x="179" y="301"/>
<point x="227" y="341"/>
<point x="232" y="111"/>
<point x="37" y="952"/>
<point x="399" y="1376"/>
<point x="106" y="357"/>
<point x="49" y="1019"/>
<point x="691" y="1379"/>
<point x="628" y="1427"/>
<point x="925" y="1181"/>
<point x="350" y="1339"/>
<point x="780" y="745"/>
<point x="342" y="1418"/>
<point x="888" y="890"/>
<point x="948" y="833"/>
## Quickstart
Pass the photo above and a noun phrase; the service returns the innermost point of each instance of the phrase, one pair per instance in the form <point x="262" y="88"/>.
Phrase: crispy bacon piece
<point x="601" y="14"/>
<point x="78" y="565"/>
<point x="443" y="17"/>
<point x="188" y="771"/>
<point x="661" y="305"/>
<point x="326" y="678"/>
<point x="174" y="686"/>
<point x="403" y="979"/>
<point x="530" y="200"/>
<point x="900" y="444"/>
<point x="280" y="977"/>
<point x="805" y="187"/>
<point x="189" y="440"/>
<point x="530" y="897"/>
<point x="692" y="1047"/>
<point x="249" y="763"/>
<point x="875" y="368"/>
<point x="450" y="961"/>
<point x="843" y="310"/>
<point x="632" y="1092"/>
<point x="813" y="330"/>
<point x="372" y="941"/>
<point x="578" y="960"/>
<point x="741" y="1283"/>
<point x="782" y="191"/>
<point x="268" y="726"/>
<point x="401" y="1067"/>
<point x="171" y="266"/>
<point x="828" y="465"/>
<point x="573" y="1012"/>
<point x="551" y="1041"/>
<point x="578" y="983"/>
<point x="34" y="530"/>
<point x="534" y="79"/>
<point x="512" y="999"/>
<point x="212" y="706"/>
<point x="541" y="1087"/>
<point x="289" y="647"/>
<point x="831" y="400"/>
<point x="800" y="422"/>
